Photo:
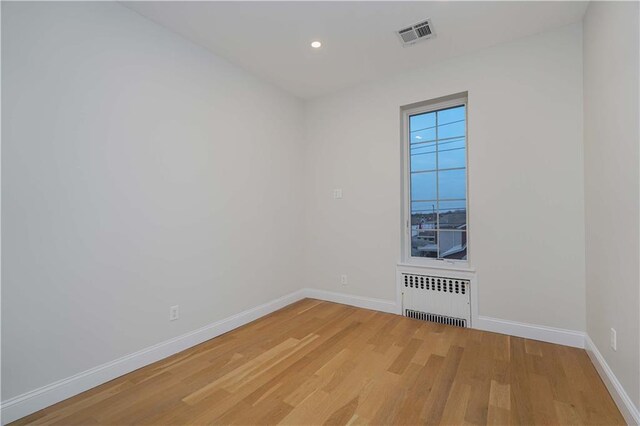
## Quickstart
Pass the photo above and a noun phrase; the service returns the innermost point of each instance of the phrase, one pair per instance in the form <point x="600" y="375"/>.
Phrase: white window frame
<point x="406" y="112"/>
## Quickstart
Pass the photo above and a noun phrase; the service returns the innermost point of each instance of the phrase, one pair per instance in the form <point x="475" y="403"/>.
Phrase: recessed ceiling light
<point x="316" y="44"/>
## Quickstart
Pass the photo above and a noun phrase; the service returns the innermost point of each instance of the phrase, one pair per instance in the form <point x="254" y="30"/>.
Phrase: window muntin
<point x="438" y="183"/>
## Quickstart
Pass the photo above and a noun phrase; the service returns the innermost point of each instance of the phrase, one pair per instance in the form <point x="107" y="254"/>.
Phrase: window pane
<point x="424" y="207"/>
<point x="425" y="160"/>
<point x="454" y="129"/>
<point x="424" y="135"/>
<point x="452" y="206"/>
<point x="424" y="243"/>
<point x="423" y="186"/>
<point x="423" y="220"/>
<point x="423" y="148"/>
<point x="452" y="144"/>
<point x="450" y="158"/>
<point x="453" y="184"/>
<point x="422" y="121"/>
<point x="453" y="215"/>
<point x="452" y="244"/>
<point x="451" y="114"/>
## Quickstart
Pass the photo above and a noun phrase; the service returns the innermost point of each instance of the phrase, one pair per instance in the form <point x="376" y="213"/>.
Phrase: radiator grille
<point x="441" y="319"/>
<point x="425" y="282"/>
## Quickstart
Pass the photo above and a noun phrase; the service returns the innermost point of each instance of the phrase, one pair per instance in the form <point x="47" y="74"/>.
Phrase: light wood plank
<point x="316" y="362"/>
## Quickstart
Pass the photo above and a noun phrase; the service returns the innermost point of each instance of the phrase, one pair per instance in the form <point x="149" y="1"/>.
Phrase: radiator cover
<point x="437" y="299"/>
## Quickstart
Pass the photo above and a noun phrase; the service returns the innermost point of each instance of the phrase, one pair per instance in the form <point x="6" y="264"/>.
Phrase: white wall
<point x="612" y="185"/>
<point x="525" y="179"/>
<point x="138" y="171"/>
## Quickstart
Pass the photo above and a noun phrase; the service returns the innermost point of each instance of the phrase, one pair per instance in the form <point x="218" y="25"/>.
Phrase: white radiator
<point x="437" y="299"/>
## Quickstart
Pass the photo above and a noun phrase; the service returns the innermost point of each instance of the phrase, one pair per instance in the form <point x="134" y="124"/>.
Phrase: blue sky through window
<point x="438" y="143"/>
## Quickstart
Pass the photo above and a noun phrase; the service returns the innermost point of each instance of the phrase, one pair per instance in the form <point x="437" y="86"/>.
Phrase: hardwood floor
<point x="316" y="362"/>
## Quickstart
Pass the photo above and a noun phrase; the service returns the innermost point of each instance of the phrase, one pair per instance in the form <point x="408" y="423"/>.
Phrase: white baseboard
<point x="382" y="305"/>
<point x="30" y="402"/>
<point x="626" y="406"/>
<point x="560" y="336"/>
<point x="529" y="331"/>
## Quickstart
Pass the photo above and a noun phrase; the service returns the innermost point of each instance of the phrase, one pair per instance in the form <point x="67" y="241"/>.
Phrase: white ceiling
<point x="359" y="44"/>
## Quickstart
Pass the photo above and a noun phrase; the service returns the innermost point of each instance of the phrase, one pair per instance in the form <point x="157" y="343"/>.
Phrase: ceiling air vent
<point x="417" y="32"/>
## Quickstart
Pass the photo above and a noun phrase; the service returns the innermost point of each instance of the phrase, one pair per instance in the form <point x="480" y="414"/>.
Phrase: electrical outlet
<point x="614" y="339"/>
<point x="337" y="193"/>
<point x="344" y="280"/>
<point x="174" y="313"/>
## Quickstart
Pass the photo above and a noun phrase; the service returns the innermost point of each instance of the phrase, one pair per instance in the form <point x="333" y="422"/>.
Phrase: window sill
<point x="443" y="267"/>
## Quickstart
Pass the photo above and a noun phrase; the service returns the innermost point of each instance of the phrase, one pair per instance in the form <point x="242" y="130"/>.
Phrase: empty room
<point x="320" y="213"/>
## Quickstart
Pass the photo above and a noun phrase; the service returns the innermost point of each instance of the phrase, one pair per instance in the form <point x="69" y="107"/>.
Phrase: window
<point x="436" y="181"/>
